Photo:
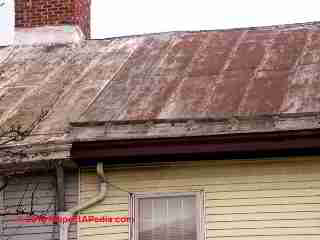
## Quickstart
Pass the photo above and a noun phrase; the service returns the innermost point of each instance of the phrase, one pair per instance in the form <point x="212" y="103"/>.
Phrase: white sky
<point x="6" y="22"/>
<point x="125" y="17"/>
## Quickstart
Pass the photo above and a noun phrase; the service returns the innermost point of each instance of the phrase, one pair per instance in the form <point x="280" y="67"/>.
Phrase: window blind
<point x="167" y="218"/>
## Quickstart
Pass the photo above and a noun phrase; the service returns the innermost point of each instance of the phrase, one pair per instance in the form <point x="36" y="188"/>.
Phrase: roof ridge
<point x="253" y="28"/>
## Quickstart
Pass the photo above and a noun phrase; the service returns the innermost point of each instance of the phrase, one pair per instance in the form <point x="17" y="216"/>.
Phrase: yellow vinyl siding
<point x="263" y="199"/>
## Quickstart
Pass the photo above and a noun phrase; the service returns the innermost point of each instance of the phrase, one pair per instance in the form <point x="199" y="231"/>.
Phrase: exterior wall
<point x="36" y="13"/>
<point x="266" y="199"/>
<point x="21" y="187"/>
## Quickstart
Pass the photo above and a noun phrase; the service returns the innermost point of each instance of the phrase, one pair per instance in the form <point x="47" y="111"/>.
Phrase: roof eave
<point x="158" y="139"/>
<point x="230" y="145"/>
<point x="25" y="158"/>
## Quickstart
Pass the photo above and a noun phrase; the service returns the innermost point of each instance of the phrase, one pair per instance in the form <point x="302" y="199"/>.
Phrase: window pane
<point x="167" y="218"/>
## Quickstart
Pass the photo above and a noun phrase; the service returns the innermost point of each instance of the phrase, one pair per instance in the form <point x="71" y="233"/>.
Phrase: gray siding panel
<point x="19" y="193"/>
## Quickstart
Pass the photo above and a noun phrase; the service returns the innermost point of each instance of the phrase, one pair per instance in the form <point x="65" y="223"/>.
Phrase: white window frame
<point x="133" y="210"/>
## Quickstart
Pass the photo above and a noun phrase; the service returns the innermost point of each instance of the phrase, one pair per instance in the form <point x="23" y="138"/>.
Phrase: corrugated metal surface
<point x="20" y="189"/>
<point x="169" y="75"/>
<point x="272" y="199"/>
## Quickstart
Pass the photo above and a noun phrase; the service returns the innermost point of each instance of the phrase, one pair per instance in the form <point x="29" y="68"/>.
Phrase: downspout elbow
<point x="101" y="195"/>
<point x="64" y="227"/>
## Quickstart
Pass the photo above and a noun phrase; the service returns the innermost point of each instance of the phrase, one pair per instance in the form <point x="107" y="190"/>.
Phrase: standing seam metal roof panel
<point x="265" y="70"/>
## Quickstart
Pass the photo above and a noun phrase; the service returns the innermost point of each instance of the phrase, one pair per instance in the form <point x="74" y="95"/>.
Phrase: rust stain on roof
<point x="208" y="74"/>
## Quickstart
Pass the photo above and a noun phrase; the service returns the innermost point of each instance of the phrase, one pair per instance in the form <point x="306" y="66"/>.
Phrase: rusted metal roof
<point x="210" y="74"/>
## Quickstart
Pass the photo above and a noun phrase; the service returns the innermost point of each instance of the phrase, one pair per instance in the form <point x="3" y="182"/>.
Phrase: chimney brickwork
<point x="37" y="13"/>
<point x="82" y="15"/>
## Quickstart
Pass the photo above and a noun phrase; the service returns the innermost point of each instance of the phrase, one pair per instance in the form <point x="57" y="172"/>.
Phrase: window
<point x="167" y="216"/>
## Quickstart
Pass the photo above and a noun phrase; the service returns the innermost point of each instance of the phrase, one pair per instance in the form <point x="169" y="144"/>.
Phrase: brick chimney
<point x="37" y="13"/>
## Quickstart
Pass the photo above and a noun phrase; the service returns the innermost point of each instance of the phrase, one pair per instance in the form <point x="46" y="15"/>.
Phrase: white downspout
<point x="64" y="227"/>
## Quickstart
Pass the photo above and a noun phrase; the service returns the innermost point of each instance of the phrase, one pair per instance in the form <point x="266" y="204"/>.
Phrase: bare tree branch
<point x="16" y="133"/>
